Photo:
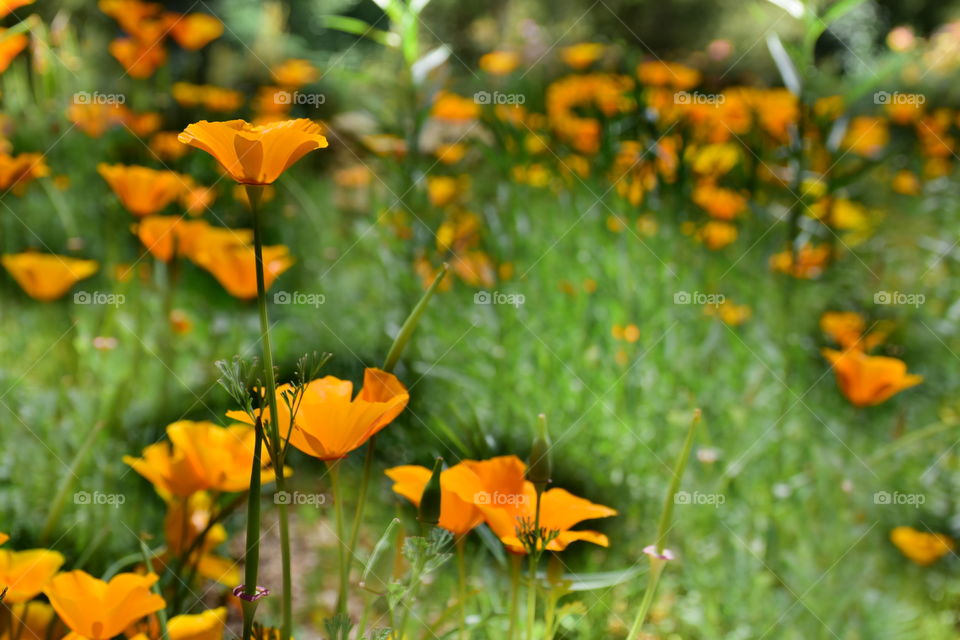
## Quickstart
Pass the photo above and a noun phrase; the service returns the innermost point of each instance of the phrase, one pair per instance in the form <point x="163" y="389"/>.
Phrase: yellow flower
<point x="450" y="153"/>
<point x="255" y="155"/>
<point x="582" y="55"/>
<point x="99" y="610"/>
<point x="921" y="547"/>
<point x="46" y="276"/>
<point x="141" y="190"/>
<point x="24" y="574"/>
<point x="869" y="380"/>
<point x="500" y="63"/>
<point x="906" y="183"/>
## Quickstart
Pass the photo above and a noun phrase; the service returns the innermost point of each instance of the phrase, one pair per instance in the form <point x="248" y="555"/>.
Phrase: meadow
<point x="337" y="322"/>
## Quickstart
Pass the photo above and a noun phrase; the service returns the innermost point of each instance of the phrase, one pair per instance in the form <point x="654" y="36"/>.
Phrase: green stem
<point x="516" y="561"/>
<point x="251" y="556"/>
<point x="254" y="195"/>
<point x="59" y="500"/>
<point x="462" y="575"/>
<point x="334" y="467"/>
<point x="534" y="561"/>
<point x="162" y="613"/>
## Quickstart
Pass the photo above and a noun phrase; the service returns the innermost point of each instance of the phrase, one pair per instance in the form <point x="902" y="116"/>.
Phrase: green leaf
<point x="360" y="28"/>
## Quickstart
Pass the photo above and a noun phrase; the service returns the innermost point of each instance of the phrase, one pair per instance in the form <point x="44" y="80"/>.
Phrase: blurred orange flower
<point x="295" y="73"/>
<point x="140" y="59"/>
<point x="10" y="47"/>
<point x="717" y="234"/>
<point x="453" y="107"/>
<point x="866" y="136"/>
<point x="166" y="146"/>
<point x="720" y="203"/>
<point x="582" y="55"/>
<point x="33" y="620"/>
<point x="99" y="610"/>
<point x="16" y="172"/>
<point x="167" y="236"/>
<point x="658" y="73"/>
<point x="9" y="6"/>
<point x="869" y="380"/>
<point x="24" y="574"/>
<point x="194" y="30"/>
<point x="809" y="261"/>
<point x="234" y="266"/>
<point x="141" y="190"/>
<point x="186" y="519"/>
<point x="208" y="96"/>
<point x="96" y="118"/>
<point x="847" y="328"/>
<point x="921" y="547"/>
<point x="47" y="276"/>
<point x="499" y="63"/>
<point x="255" y="155"/>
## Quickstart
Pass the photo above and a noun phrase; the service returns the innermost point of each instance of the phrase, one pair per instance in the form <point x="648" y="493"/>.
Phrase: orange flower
<point x="166" y="146"/>
<point x="31" y="620"/>
<point x="295" y="73"/>
<point x="206" y="625"/>
<point x="24" y="574"/>
<point x="9" y="6"/>
<point x="95" y="119"/>
<point x="255" y="155"/>
<point x="141" y="190"/>
<point x="716" y="234"/>
<point x="166" y="236"/>
<point x="499" y="63"/>
<point x="385" y="144"/>
<point x="200" y="456"/>
<point x="186" y="519"/>
<point x="194" y="30"/>
<point x="140" y="59"/>
<point x="668" y="74"/>
<point x="866" y="136"/>
<point x="330" y="422"/>
<point x="921" y="547"/>
<point x="906" y="183"/>
<point x="234" y="267"/>
<point x="16" y="172"/>
<point x="46" y="276"/>
<point x="846" y="328"/>
<point x="10" y="47"/>
<point x="454" y="108"/>
<point x="720" y="203"/>
<point x="98" y="610"/>
<point x="497" y="480"/>
<point x="208" y="96"/>
<point x="131" y="14"/>
<point x="450" y="153"/>
<point x="809" y="261"/>
<point x="869" y="380"/>
<point x="582" y="55"/>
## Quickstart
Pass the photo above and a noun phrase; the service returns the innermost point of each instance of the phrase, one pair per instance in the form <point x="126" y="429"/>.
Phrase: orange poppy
<point x="140" y="59"/>
<point x="255" y="155"/>
<point x="206" y="625"/>
<point x="455" y="108"/>
<point x="31" y="621"/>
<point x="95" y="119"/>
<point x="9" y="6"/>
<point x="99" y="610"/>
<point x="717" y="234"/>
<point x="330" y="422"/>
<point x="186" y="519"/>
<point x="920" y="546"/>
<point x="720" y="203"/>
<point x="582" y="55"/>
<point x="869" y="380"/>
<point x="10" y="47"/>
<point x="143" y="124"/>
<point x="807" y="263"/>
<point x="668" y="74"/>
<point x="295" y="73"/>
<point x="16" y="172"/>
<point x="866" y="136"/>
<point x="167" y="236"/>
<point x="499" y="63"/>
<point x="24" y="574"/>
<point x="194" y="30"/>
<point x="202" y="238"/>
<point x="199" y="456"/>
<point x="235" y="267"/>
<point x="47" y="276"/>
<point x="141" y="190"/>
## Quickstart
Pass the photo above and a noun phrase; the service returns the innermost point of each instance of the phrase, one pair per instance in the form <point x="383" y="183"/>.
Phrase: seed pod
<point x="540" y="466"/>
<point x="429" y="513"/>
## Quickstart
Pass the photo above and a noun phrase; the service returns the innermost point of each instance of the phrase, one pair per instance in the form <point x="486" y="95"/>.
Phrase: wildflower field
<point x="399" y="319"/>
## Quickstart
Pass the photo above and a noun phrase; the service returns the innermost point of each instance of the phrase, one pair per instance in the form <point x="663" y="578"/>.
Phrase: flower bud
<point x="540" y="466"/>
<point x="429" y="513"/>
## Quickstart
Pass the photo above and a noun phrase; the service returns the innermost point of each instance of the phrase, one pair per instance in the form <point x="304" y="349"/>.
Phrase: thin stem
<point x="254" y="194"/>
<point x="462" y="574"/>
<point x="334" y="466"/>
<point x="516" y="561"/>
<point x="534" y="561"/>
<point x="251" y="556"/>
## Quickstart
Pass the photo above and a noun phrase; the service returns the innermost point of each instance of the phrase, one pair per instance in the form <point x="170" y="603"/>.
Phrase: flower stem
<point x="251" y="556"/>
<point x="462" y="574"/>
<point x="516" y="561"/>
<point x="334" y="467"/>
<point x="534" y="561"/>
<point x="254" y="195"/>
<point x="657" y="562"/>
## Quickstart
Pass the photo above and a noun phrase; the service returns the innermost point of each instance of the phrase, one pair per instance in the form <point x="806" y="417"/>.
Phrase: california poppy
<point x="920" y="546"/>
<point x="330" y="422"/>
<point x="194" y="30"/>
<point x="140" y="59"/>
<point x="141" y="190"/>
<point x="847" y="329"/>
<point x="255" y="155"/>
<point x="17" y="171"/>
<point x="235" y="267"/>
<point x="186" y="519"/>
<point x="295" y="73"/>
<point x="46" y="276"/>
<point x="719" y="203"/>
<point x="499" y="63"/>
<point x="9" y="6"/>
<point x="10" y="47"/>
<point x="869" y="380"/>
<point x="206" y="625"/>
<point x="33" y="620"/>
<point x="582" y="55"/>
<point x="658" y="73"/>
<point x="159" y="235"/>
<point x="24" y="574"/>
<point x="99" y="610"/>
